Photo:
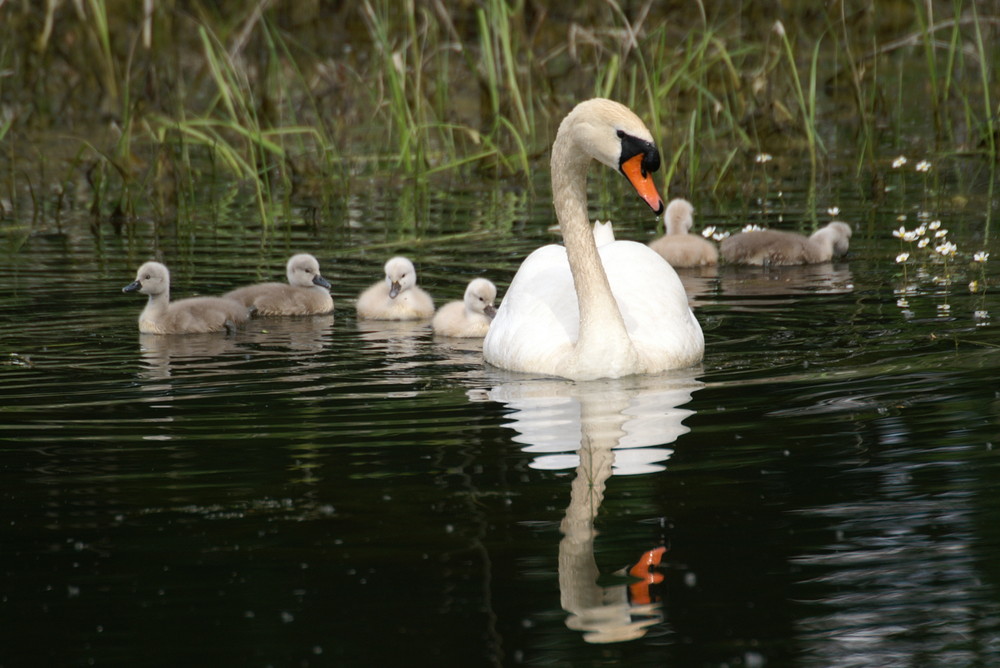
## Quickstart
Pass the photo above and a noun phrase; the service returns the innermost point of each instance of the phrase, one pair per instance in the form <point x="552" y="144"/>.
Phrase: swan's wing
<point x="653" y="303"/>
<point x="538" y="318"/>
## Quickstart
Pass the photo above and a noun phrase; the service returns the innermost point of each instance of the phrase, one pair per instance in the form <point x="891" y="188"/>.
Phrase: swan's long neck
<point x="603" y="335"/>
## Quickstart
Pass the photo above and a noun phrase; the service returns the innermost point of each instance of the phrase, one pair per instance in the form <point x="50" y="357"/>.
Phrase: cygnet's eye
<point x="146" y="277"/>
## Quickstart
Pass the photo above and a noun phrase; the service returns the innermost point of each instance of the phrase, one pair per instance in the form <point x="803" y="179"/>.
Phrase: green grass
<point x="279" y="95"/>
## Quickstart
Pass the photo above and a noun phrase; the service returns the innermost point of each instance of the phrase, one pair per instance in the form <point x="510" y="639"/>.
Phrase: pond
<point x="323" y="491"/>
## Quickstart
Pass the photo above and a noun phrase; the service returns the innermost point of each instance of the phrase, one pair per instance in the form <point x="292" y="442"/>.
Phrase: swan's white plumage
<point x="538" y="322"/>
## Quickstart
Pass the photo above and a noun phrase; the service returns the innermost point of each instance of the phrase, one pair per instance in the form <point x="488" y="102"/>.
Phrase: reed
<point x="432" y="89"/>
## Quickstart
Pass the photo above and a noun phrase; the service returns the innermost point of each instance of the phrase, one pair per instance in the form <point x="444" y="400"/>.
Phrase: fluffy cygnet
<point x="776" y="247"/>
<point x="396" y="297"/>
<point x="306" y="293"/>
<point x="195" y="315"/>
<point x="470" y="317"/>
<point x="678" y="246"/>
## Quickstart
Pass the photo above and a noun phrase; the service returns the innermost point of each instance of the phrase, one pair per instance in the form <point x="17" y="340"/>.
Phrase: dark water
<point x="318" y="491"/>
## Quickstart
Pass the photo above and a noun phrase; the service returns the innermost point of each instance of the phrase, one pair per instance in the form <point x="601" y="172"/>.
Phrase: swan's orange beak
<point x="641" y="181"/>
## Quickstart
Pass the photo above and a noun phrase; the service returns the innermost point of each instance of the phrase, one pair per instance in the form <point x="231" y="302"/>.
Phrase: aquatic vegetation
<point x="935" y="256"/>
<point x="275" y="95"/>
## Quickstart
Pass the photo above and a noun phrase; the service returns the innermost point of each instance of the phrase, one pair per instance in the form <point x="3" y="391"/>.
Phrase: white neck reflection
<point x="600" y="428"/>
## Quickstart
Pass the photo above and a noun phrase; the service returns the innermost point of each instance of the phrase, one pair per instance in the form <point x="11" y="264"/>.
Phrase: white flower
<point x="921" y="231"/>
<point x="934" y="224"/>
<point x="902" y="257"/>
<point x="833" y="210"/>
<point x="911" y="235"/>
<point x="973" y="286"/>
<point x="900" y="233"/>
<point x="901" y="218"/>
<point x="763" y="157"/>
<point x="902" y="302"/>
<point x="752" y="228"/>
<point x="946" y="249"/>
<point x="708" y="231"/>
<point x="981" y="315"/>
<point x="778" y="28"/>
<point x="981" y="256"/>
<point x="923" y="242"/>
<point x="719" y="236"/>
<point x="923" y="166"/>
<point x="899" y="162"/>
<point x="944" y="307"/>
<point x="940" y="234"/>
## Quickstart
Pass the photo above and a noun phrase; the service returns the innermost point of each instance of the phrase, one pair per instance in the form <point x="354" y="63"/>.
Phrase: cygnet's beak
<point x="132" y="287"/>
<point x="394" y="289"/>
<point x="321" y="282"/>
<point x="490" y="311"/>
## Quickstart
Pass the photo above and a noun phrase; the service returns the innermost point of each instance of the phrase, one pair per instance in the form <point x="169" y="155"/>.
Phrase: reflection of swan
<point x="401" y="341"/>
<point x="777" y="247"/>
<point x="583" y="312"/>
<point x="161" y="354"/>
<point x="307" y="334"/>
<point x="823" y="278"/>
<point x="611" y="427"/>
<point x="554" y="417"/>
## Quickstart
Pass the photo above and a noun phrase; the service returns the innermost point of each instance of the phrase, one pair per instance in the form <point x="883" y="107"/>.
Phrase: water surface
<point x="319" y="491"/>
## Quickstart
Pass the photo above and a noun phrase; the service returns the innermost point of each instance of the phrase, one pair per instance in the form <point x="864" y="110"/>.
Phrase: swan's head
<point x="152" y="279"/>
<point x="837" y="234"/>
<point x="479" y="297"/>
<point x="303" y="271"/>
<point x="610" y="133"/>
<point x="400" y="275"/>
<point x="679" y="216"/>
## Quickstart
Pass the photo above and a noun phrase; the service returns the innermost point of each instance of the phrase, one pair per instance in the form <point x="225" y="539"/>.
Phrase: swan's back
<point x="537" y="325"/>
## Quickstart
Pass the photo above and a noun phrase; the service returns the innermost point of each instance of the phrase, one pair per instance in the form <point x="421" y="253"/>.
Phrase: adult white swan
<point x="581" y="312"/>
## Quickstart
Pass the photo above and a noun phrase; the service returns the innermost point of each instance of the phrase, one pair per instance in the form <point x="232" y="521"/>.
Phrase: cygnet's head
<point x="303" y="271"/>
<point x="152" y="279"/>
<point x="479" y="297"/>
<point x="400" y="275"/>
<point x="679" y="216"/>
<point x="837" y="234"/>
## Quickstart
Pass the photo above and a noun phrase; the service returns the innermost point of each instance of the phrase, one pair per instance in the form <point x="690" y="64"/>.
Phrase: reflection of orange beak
<point x="643" y="184"/>
<point x="639" y="591"/>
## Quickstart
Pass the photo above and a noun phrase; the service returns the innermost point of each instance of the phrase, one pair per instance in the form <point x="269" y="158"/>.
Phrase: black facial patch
<point x="633" y="146"/>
